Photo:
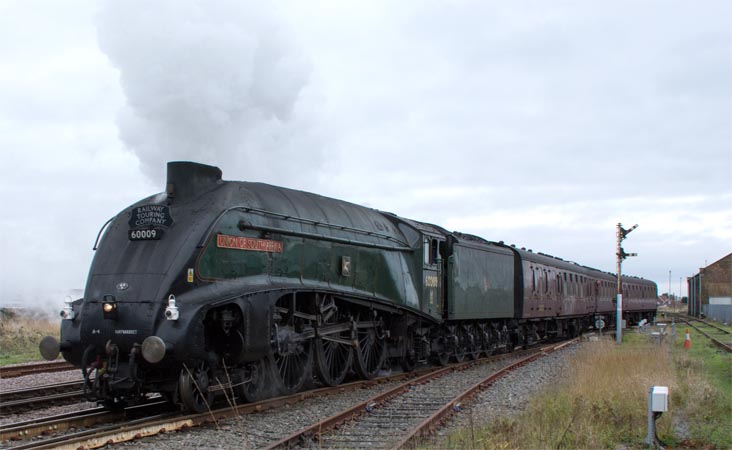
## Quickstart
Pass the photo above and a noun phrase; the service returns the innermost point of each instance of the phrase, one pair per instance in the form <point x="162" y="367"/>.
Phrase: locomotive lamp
<point x="67" y="312"/>
<point x="109" y="307"/>
<point x="171" y="312"/>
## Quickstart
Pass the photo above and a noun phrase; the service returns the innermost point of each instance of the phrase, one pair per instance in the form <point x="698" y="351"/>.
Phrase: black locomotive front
<point x="128" y="334"/>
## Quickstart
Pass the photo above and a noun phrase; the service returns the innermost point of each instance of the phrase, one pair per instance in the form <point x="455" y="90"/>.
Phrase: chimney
<point x="187" y="180"/>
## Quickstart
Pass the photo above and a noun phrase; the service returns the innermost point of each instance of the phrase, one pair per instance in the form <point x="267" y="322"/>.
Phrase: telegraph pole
<point x="669" y="286"/>
<point x="679" y="293"/>
<point x="622" y="233"/>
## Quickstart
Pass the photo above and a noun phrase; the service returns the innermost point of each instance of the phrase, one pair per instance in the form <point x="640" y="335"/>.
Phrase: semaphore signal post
<point x="622" y="234"/>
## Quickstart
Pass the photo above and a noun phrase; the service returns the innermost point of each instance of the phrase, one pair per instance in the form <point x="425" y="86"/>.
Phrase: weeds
<point x="602" y="401"/>
<point x="20" y="334"/>
<point x="705" y="394"/>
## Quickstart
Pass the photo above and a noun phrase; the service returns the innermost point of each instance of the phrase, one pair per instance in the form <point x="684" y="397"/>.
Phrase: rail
<point x="152" y="425"/>
<point x="32" y="369"/>
<point x="716" y="340"/>
<point x="397" y="396"/>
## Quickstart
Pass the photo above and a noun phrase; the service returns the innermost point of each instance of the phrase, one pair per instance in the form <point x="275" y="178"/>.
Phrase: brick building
<point x="710" y="290"/>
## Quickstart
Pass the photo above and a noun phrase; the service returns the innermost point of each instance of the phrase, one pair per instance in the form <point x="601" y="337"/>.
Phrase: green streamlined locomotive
<point x="268" y="290"/>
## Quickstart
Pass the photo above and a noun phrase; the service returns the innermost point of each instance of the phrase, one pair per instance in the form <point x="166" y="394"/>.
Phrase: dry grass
<point x="20" y="334"/>
<point x="607" y="387"/>
<point x="602" y="403"/>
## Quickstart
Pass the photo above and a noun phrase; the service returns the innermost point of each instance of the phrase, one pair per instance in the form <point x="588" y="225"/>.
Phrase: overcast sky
<point x="542" y="124"/>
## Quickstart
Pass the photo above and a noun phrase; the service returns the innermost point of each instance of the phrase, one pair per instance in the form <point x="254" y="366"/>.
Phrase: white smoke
<point x="211" y="81"/>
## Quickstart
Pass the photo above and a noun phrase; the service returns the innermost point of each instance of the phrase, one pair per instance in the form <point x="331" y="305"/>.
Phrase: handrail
<point x="403" y="246"/>
<point x="99" y="235"/>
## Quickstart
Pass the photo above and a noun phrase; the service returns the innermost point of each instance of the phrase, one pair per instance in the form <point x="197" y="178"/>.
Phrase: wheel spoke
<point x="193" y="385"/>
<point x="333" y="350"/>
<point x="371" y="351"/>
<point x="293" y="352"/>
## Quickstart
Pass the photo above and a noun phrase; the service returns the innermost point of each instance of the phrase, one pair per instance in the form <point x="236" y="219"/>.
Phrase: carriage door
<point x="432" y="277"/>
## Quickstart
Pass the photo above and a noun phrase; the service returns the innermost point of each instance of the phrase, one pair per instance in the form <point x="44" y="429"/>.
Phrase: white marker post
<point x="619" y="322"/>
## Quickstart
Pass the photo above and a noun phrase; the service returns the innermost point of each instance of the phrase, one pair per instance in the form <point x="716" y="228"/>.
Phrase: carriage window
<point x="533" y="279"/>
<point x="571" y="284"/>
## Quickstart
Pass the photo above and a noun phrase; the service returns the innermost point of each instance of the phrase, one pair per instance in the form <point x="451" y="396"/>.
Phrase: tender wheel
<point x="334" y="345"/>
<point x="258" y="386"/>
<point x="490" y="339"/>
<point x="472" y="342"/>
<point x="443" y="358"/>
<point x="457" y="343"/>
<point x="194" y="383"/>
<point x="370" y="349"/>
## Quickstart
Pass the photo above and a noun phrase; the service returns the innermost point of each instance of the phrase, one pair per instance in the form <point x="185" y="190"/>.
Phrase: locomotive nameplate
<point x="251" y="244"/>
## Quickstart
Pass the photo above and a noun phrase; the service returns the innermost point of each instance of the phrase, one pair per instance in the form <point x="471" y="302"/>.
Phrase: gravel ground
<point x="46" y="412"/>
<point x="408" y="410"/>
<point x="28" y="381"/>
<point x="257" y="430"/>
<point x="510" y="395"/>
<point x="41" y="379"/>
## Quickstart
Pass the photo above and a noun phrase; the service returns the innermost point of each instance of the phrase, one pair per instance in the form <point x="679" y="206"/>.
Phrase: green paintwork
<point x="311" y="262"/>
<point x="480" y="283"/>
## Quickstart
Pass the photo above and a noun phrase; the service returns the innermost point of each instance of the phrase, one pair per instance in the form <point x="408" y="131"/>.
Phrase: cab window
<point x="431" y="251"/>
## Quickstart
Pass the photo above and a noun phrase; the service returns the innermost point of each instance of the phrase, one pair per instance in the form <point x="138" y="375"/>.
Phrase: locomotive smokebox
<point x="187" y="179"/>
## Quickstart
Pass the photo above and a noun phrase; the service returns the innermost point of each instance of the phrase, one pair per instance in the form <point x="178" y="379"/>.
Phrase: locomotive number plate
<point x="145" y="235"/>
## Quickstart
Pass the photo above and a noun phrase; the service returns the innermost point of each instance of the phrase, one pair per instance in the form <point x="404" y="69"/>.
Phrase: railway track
<point x="719" y="336"/>
<point x="111" y="427"/>
<point x="400" y="416"/>
<point x="102" y="422"/>
<point x="18" y="406"/>
<point x="20" y="400"/>
<point x="31" y="369"/>
<point x="56" y="424"/>
<point x="120" y="426"/>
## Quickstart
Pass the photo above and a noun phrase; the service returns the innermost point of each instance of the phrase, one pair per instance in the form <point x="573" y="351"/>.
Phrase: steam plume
<point x="210" y="81"/>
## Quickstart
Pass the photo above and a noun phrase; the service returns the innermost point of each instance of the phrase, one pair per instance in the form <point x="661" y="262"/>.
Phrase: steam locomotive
<point x="267" y="290"/>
